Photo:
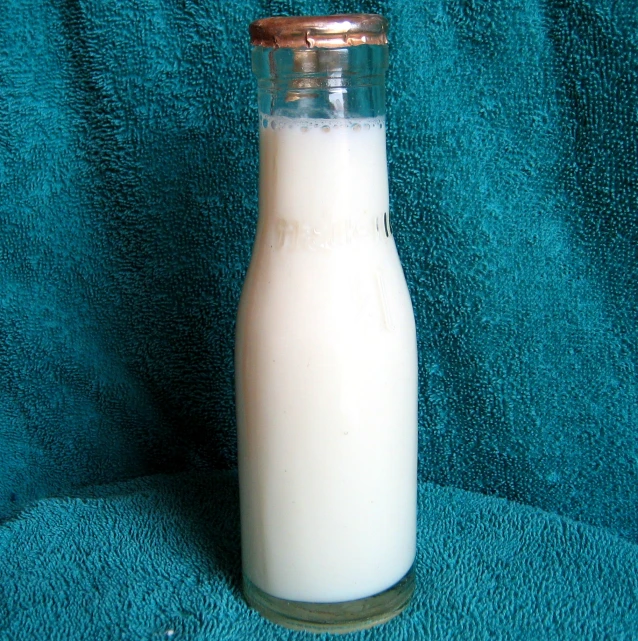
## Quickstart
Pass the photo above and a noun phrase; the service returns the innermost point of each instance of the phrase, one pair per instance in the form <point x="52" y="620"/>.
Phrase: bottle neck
<point x="346" y="82"/>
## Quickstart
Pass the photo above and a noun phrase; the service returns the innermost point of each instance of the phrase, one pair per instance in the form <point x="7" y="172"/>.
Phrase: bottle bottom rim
<point x="336" y="618"/>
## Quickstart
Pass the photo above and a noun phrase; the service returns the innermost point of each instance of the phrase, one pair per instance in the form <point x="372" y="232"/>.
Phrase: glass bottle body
<point x="326" y="361"/>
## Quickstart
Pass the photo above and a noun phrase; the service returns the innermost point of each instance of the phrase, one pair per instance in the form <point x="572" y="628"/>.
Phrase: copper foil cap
<point x="321" y="32"/>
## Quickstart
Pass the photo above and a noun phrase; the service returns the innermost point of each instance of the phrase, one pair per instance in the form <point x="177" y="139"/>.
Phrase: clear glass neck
<point x="347" y="82"/>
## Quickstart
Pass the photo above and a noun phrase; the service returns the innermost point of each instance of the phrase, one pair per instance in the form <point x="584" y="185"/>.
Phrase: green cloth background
<point x="128" y="203"/>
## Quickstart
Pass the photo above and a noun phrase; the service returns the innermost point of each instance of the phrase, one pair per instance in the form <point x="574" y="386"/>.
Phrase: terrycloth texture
<point x="158" y="558"/>
<point x="128" y="167"/>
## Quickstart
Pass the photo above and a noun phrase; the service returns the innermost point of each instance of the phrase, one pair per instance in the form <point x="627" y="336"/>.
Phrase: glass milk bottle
<point x="326" y="359"/>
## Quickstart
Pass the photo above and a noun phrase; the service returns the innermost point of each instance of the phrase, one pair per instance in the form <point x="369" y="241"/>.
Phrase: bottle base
<point x="337" y="618"/>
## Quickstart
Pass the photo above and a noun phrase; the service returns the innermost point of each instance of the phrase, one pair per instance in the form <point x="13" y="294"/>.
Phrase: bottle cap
<point x="322" y="32"/>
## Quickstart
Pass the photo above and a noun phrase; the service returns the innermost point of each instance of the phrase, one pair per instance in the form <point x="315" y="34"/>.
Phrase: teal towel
<point x="157" y="558"/>
<point x="128" y="170"/>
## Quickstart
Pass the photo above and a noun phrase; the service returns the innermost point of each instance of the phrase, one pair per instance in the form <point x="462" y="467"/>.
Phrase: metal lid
<point x="324" y="32"/>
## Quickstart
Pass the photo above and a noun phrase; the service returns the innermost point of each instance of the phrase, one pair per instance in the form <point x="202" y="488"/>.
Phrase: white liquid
<point x="326" y="371"/>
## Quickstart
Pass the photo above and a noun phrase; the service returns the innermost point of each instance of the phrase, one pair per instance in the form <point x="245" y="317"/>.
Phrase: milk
<point x="326" y="371"/>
